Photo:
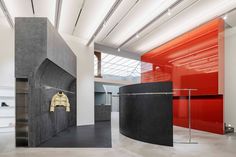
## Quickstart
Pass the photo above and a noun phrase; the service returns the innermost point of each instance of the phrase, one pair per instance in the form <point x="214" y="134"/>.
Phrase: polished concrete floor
<point x="89" y="136"/>
<point x="209" y="145"/>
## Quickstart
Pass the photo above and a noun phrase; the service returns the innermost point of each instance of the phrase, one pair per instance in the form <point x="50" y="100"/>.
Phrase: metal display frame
<point x="189" y="115"/>
<point x="189" y="90"/>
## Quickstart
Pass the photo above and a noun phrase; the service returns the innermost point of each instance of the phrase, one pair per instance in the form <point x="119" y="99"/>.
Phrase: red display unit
<point x="194" y="60"/>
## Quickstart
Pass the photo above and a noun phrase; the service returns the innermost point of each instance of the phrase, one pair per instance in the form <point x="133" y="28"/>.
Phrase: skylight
<point x="118" y="66"/>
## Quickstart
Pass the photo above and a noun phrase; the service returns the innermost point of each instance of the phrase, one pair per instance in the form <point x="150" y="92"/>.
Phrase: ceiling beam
<point x="151" y="22"/>
<point x="57" y="13"/>
<point x="6" y="13"/>
<point x="106" y="18"/>
<point x="32" y="6"/>
<point x="113" y="51"/>
<point x="127" y="13"/>
<point x="77" y="19"/>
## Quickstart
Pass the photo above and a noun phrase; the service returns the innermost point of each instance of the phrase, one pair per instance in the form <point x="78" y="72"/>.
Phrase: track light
<point x="225" y="17"/>
<point x="169" y="12"/>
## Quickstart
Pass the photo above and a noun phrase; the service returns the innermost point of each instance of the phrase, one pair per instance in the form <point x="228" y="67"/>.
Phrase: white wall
<point x="230" y="77"/>
<point x="7" y="86"/>
<point x="85" y="79"/>
<point x="6" y="56"/>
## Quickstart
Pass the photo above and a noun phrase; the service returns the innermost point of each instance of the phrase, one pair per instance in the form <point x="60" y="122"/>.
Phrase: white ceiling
<point x="91" y="17"/>
<point x="127" y="19"/>
<point x="199" y="13"/>
<point x="143" y="12"/>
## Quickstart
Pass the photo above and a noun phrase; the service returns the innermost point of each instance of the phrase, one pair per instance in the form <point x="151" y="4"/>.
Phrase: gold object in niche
<point x="60" y="99"/>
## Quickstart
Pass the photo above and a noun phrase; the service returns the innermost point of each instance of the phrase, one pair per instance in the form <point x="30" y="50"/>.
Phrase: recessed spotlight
<point x="118" y="49"/>
<point x="225" y="17"/>
<point x="169" y="12"/>
<point x="137" y="36"/>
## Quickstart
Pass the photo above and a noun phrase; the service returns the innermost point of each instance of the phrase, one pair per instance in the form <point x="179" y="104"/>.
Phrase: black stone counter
<point x="147" y="117"/>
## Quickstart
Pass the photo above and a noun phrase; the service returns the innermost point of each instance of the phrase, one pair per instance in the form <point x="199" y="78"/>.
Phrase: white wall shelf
<point x="7" y="87"/>
<point x="9" y="107"/>
<point x="7" y="129"/>
<point x="7" y="97"/>
<point x="7" y="116"/>
<point x="7" y="126"/>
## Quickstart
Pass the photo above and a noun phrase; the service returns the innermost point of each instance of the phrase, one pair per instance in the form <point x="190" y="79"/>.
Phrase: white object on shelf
<point x="7" y="95"/>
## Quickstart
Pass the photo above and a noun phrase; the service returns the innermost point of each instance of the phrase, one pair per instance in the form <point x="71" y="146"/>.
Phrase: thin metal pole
<point x="189" y="117"/>
<point x="189" y="114"/>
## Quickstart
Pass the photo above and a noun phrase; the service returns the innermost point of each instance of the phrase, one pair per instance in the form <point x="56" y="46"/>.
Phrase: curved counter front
<point x="146" y="112"/>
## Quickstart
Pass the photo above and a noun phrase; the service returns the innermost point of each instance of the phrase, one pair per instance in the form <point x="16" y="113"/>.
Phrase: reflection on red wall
<point x="193" y="60"/>
<point x="206" y="113"/>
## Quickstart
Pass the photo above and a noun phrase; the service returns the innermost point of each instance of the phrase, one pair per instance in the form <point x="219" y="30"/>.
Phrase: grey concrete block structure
<point x="44" y="65"/>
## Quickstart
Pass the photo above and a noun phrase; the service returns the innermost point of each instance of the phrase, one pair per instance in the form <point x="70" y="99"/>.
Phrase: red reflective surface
<point x="206" y="113"/>
<point x="193" y="60"/>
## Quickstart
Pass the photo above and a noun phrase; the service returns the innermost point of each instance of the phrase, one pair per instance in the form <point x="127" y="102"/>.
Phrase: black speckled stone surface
<point x="47" y="65"/>
<point x="98" y="135"/>
<point x="147" y="118"/>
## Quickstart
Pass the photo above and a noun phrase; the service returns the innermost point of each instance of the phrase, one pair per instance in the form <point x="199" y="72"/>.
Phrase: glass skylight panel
<point x="114" y="72"/>
<point x="119" y="73"/>
<point x="119" y="66"/>
<point x="135" y="64"/>
<point x="124" y="73"/>
<point x="115" y="59"/>
<point x="127" y="61"/>
<point x="146" y="66"/>
<point x="109" y="66"/>
<point x="108" y="58"/>
<point x="107" y="70"/>
<point x="121" y="61"/>
<point x="104" y="55"/>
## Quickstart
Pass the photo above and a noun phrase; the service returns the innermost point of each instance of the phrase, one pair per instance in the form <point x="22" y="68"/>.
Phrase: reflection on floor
<point x="98" y="135"/>
<point x="209" y="145"/>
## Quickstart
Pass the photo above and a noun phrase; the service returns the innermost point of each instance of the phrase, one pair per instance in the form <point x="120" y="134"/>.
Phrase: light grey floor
<point x="209" y="145"/>
<point x="7" y="141"/>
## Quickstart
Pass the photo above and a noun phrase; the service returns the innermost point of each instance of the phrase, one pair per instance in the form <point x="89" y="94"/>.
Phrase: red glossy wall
<point x="193" y="60"/>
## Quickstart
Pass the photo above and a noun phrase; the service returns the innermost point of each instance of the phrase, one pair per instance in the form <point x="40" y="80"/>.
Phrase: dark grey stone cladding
<point x="147" y="118"/>
<point x="47" y="63"/>
<point x="102" y="113"/>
